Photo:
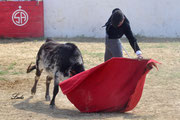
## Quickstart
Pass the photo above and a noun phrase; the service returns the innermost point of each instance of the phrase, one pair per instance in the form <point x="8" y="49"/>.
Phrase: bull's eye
<point x="72" y="73"/>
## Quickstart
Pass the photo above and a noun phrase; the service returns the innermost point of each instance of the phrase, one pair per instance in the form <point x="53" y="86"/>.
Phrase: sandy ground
<point x="36" y="108"/>
<point x="159" y="101"/>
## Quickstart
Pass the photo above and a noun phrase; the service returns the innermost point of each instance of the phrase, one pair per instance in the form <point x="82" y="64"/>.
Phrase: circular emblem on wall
<point x="20" y="17"/>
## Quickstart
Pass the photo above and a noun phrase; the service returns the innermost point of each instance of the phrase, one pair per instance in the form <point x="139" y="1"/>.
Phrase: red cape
<point x="115" y="85"/>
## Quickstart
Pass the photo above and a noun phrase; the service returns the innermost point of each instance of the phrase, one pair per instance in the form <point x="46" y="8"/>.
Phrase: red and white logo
<point x="20" y="17"/>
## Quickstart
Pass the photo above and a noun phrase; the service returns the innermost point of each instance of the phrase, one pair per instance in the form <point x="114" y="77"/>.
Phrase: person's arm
<point x="132" y="39"/>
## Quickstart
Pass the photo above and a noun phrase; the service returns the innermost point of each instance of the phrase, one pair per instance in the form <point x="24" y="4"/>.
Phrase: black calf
<point x="60" y="61"/>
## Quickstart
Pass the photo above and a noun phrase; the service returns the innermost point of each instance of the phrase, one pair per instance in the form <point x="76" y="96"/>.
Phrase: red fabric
<point x="115" y="85"/>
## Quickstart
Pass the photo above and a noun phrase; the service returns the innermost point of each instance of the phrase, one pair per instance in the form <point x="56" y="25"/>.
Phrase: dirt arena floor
<point x="160" y="99"/>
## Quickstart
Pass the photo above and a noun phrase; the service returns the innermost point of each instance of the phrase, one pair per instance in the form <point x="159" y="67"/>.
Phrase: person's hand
<point x="139" y="57"/>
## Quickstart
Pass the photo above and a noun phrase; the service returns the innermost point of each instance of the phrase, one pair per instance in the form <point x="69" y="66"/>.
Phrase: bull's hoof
<point x="47" y="98"/>
<point x="33" y="91"/>
<point x="52" y="106"/>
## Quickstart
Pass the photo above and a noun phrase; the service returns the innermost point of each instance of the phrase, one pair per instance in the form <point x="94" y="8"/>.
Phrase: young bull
<point x="60" y="61"/>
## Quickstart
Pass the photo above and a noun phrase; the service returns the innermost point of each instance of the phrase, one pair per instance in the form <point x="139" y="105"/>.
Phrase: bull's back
<point x="55" y="56"/>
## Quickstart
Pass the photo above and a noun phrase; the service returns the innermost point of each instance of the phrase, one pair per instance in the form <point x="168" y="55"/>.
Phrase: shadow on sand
<point x="42" y="108"/>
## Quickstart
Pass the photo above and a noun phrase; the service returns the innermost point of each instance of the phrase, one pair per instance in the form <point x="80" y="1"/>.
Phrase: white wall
<point x="71" y="18"/>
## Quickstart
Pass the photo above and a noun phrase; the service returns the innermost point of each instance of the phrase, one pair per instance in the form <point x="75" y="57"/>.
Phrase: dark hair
<point x="115" y="10"/>
<point x="117" y="17"/>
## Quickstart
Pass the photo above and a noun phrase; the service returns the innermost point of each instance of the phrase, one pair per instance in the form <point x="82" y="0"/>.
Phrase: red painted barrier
<point x="21" y="19"/>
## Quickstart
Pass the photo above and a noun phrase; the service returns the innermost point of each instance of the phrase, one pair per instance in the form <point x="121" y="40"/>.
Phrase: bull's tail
<point x="30" y="68"/>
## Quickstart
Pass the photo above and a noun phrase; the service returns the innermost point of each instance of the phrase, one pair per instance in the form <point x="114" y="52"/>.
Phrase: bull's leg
<point x="57" y="77"/>
<point x="38" y="74"/>
<point x="48" y="81"/>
